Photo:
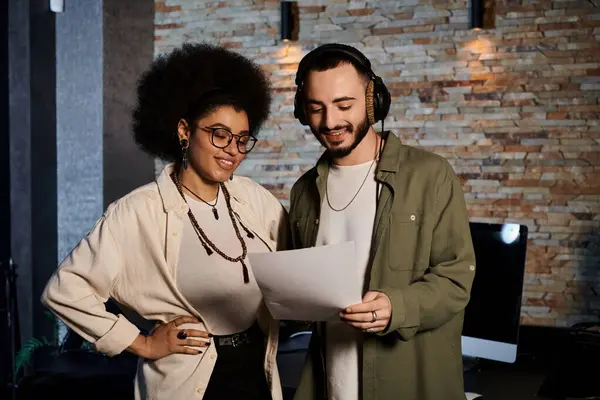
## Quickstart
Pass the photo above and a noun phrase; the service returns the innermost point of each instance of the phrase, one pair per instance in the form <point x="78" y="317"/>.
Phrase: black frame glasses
<point x="251" y="140"/>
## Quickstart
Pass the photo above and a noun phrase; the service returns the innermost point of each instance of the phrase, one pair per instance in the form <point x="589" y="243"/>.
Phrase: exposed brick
<point x="514" y="110"/>
<point x="231" y="45"/>
<point x="526" y="183"/>
<point x="361" y="11"/>
<point x="558" y="26"/>
<point x="423" y="40"/>
<point x="519" y="103"/>
<point x="569" y="87"/>
<point x="312" y="9"/>
<point x="388" y="31"/>
<point x="557" y="115"/>
<point x="590" y="24"/>
<point x="168" y="26"/>
<point x="420" y="28"/>
<point x="161" y="7"/>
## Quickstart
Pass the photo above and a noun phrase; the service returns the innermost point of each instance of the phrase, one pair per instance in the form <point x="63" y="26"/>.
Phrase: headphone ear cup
<point x="381" y="99"/>
<point x="370" y="102"/>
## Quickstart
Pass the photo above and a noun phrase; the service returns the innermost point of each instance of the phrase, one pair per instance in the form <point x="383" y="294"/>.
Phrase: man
<point x="405" y="211"/>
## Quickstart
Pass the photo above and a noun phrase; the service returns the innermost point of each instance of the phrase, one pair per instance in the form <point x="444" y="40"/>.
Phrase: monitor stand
<point x="471" y="364"/>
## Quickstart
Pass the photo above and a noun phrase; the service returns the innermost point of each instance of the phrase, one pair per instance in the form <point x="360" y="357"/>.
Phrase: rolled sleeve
<point x="79" y="288"/>
<point x="118" y="338"/>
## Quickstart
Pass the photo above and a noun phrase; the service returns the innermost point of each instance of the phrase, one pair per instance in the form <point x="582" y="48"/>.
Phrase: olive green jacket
<point x="422" y="257"/>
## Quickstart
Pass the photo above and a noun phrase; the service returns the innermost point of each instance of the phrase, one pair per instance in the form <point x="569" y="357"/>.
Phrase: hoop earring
<point x="185" y="145"/>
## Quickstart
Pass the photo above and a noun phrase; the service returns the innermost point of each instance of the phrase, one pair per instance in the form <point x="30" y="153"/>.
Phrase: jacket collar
<point x="172" y="200"/>
<point x="393" y="153"/>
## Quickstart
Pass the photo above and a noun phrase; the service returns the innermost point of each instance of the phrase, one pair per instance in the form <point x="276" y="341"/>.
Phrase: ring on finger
<point x="374" y="313"/>
<point x="182" y="334"/>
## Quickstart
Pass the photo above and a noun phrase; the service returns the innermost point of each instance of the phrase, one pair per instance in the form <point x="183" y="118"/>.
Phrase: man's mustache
<point x="327" y="131"/>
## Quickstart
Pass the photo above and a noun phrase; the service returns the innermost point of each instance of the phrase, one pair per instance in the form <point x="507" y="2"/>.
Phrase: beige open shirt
<point x="131" y="255"/>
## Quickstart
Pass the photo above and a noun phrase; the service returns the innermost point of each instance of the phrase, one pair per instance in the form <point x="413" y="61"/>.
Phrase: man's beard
<point x="358" y="135"/>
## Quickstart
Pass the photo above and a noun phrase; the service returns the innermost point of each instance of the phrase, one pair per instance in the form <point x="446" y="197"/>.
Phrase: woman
<point x="175" y="251"/>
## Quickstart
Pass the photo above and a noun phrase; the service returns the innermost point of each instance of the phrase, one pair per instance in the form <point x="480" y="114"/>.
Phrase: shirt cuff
<point x="118" y="338"/>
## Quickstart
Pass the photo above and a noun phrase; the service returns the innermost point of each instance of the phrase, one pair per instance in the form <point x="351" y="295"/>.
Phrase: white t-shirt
<point x="214" y="286"/>
<point x="354" y="223"/>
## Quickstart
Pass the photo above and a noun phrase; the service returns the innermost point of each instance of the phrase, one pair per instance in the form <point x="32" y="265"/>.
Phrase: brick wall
<point x="514" y="109"/>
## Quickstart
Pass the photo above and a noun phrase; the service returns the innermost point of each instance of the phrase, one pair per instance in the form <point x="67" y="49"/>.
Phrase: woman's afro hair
<point x="190" y="82"/>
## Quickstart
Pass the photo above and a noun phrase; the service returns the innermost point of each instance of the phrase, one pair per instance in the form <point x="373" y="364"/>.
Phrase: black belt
<point x="249" y="336"/>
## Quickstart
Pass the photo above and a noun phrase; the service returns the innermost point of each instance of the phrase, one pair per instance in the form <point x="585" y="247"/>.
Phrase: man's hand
<point x="372" y="315"/>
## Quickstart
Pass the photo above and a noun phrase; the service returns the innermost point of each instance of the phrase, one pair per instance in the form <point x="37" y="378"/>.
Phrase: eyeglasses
<point x="221" y="138"/>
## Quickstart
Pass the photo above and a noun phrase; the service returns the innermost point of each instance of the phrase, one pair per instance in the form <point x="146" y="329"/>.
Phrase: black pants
<point x="239" y="371"/>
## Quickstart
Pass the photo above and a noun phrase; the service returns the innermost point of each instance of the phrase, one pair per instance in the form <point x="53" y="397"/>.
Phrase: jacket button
<point x="297" y="224"/>
<point x="317" y="221"/>
<point x="472" y="267"/>
<point x="412" y="217"/>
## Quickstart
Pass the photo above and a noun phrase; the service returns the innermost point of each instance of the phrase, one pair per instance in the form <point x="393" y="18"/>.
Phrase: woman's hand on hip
<point x="168" y="339"/>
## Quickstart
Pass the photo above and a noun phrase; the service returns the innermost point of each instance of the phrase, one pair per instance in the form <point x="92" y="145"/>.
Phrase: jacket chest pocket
<point x="403" y="240"/>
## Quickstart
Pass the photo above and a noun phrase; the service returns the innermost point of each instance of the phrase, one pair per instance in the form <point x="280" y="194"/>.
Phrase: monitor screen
<point x="492" y="317"/>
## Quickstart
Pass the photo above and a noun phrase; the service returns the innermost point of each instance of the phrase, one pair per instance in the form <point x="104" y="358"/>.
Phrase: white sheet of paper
<point x="312" y="284"/>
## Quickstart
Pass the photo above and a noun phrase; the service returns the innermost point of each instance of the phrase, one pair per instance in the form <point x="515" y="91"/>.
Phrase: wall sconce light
<point x="57" y="6"/>
<point x="290" y="21"/>
<point x="483" y="14"/>
<point x="477" y="12"/>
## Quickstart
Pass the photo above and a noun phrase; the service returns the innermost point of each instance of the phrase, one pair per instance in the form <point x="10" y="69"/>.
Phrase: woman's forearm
<point x="139" y="347"/>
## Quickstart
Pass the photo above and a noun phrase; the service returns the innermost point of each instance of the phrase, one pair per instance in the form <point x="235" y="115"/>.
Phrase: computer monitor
<point x="492" y="317"/>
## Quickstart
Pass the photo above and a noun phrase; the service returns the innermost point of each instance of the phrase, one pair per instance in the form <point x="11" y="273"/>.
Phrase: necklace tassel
<point x="245" y="271"/>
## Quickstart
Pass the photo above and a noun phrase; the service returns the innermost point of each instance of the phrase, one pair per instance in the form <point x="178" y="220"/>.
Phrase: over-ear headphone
<point x="378" y="97"/>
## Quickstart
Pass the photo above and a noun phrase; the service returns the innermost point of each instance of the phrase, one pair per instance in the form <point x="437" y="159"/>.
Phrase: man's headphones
<point x="378" y="97"/>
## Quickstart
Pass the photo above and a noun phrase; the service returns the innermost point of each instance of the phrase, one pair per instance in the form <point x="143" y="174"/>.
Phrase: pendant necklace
<point x="214" y="206"/>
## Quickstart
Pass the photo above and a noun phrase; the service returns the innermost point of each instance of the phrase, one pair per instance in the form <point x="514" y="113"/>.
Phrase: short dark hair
<point x="333" y="60"/>
<point x="191" y="82"/>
